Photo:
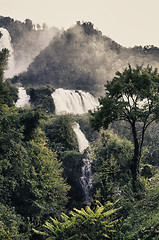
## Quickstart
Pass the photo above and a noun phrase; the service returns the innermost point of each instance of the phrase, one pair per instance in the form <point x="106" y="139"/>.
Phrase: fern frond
<point x="105" y="235"/>
<point x="39" y="232"/>
<point x="99" y="210"/>
<point x="89" y="211"/>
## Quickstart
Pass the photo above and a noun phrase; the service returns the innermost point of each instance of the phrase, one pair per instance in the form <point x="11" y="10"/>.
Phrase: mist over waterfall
<point x="73" y="101"/>
<point x="5" y="42"/>
<point x="23" y="98"/>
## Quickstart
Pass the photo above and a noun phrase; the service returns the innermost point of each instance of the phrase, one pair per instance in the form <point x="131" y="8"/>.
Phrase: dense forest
<point x="41" y="196"/>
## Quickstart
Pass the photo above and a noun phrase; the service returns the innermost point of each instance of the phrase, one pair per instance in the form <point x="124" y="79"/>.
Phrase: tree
<point x="60" y="133"/>
<point x="42" y="96"/>
<point x="38" y="26"/>
<point x="28" y="24"/>
<point x="30" y="120"/>
<point x="110" y="166"/>
<point x="44" y="26"/>
<point x="47" y="190"/>
<point x="4" y="54"/>
<point x="12" y="225"/>
<point x="30" y="174"/>
<point x="132" y="96"/>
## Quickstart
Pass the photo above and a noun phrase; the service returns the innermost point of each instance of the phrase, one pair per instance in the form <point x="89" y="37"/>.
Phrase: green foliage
<point x="8" y="93"/>
<point x="10" y="128"/>
<point x="45" y="182"/>
<point x="42" y="96"/>
<point x="110" y="166"/>
<point x="146" y="171"/>
<point x="4" y="54"/>
<point x="141" y="221"/>
<point x="90" y="134"/>
<point x="12" y="225"/>
<point x="30" y="120"/>
<point x="72" y="163"/>
<point x="31" y="178"/>
<point x="62" y="138"/>
<point x="150" y="152"/>
<point x="131" y="96"/>
<point x="124" y="96"/>
<point x="60" y="133"/>
<point x="83" y="224"/>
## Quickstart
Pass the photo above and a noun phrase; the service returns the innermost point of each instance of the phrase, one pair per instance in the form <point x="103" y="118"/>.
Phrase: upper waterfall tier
<point x="73" y="101"/>
<point x="5" y="42"/>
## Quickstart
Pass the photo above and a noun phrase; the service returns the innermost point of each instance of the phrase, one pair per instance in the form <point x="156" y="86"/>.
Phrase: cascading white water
<point x="23" y="98"/>
<point x="81" y="139"/>
<point x="73" y="101"/>
<point x="5" y="42"/>
<point x="86" y="179"/>
<point x="77" y="102"/>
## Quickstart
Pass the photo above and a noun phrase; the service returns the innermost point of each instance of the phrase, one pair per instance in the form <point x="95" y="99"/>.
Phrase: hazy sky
<point x="128" y="22"/>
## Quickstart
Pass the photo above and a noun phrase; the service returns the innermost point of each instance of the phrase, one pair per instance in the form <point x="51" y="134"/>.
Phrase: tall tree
<point x="132" y="96"/>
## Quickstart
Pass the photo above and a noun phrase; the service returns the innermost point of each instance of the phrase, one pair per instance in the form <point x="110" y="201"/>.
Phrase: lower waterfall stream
<point x="86" y="178"/>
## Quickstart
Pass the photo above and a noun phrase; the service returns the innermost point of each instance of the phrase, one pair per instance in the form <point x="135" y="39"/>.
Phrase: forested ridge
<point x="82" y="58"/>
<point x="40" y="163"/>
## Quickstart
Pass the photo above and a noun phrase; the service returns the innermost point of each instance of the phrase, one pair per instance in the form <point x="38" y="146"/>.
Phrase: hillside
<point x="27" y="39"/>
<point x="82" y="58"/>
<point x="52" y="162"/>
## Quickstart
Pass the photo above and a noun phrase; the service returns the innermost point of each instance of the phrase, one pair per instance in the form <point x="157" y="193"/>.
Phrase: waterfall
<point x="5" y="42"/>
<point x="86" y="178"/>
<point x="73" y="101"/>
<point x="77" y="102"/>
<point x="81" y="139"/>
<point x="23" y="98"/>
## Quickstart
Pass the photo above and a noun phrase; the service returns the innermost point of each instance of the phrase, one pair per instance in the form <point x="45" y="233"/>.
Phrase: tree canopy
<point x="132" y="96"/>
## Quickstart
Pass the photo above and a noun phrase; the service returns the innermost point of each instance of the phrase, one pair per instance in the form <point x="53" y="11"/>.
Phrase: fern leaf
<point x="105" y="235"/>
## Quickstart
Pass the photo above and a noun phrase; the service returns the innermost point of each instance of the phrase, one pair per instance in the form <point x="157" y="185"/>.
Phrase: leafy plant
<point x="110" y="166"/>
<point x="83" y="224"/>
<point x="142" y="217"/>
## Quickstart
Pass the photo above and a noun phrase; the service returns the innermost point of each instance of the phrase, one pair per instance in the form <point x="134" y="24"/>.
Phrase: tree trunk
<point x="134" y="165"/>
